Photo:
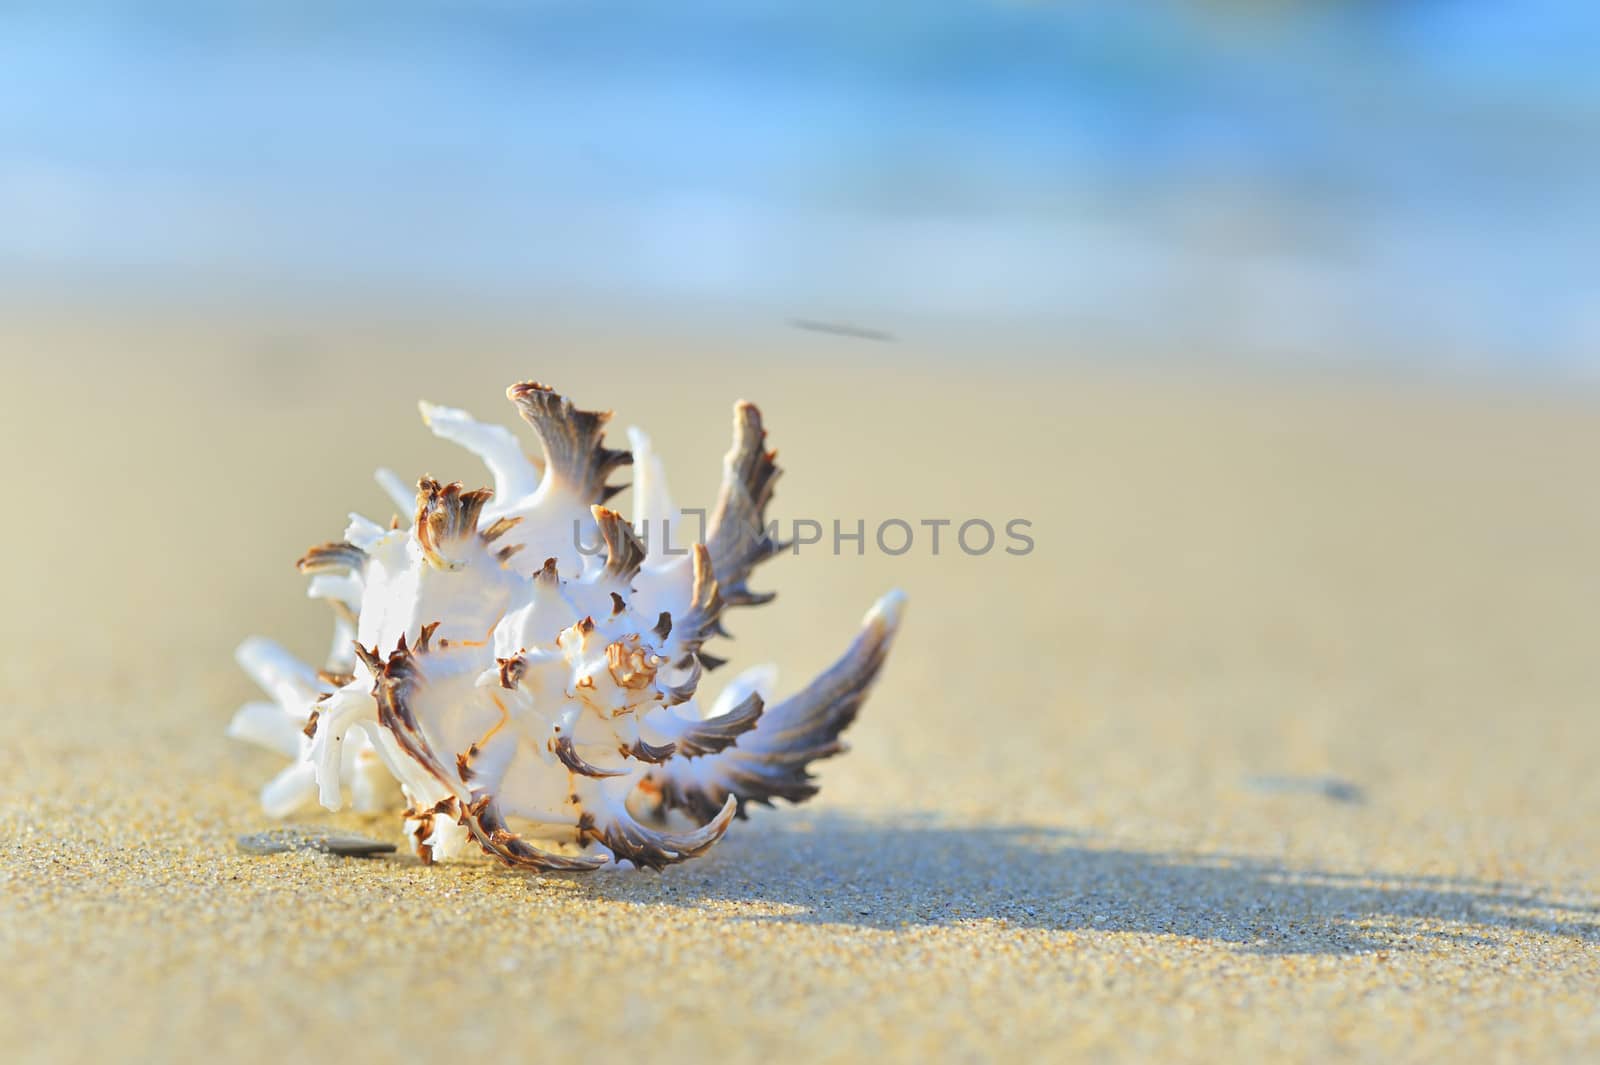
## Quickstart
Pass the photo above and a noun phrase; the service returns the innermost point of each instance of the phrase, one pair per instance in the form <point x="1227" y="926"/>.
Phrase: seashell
<point x="490" y="670"/>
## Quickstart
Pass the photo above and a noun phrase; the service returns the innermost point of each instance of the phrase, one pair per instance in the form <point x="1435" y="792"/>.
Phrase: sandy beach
<point x="1281" y="741"/>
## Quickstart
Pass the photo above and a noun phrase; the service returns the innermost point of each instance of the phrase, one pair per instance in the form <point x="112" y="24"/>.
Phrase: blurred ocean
<point x="1402" y="182"/>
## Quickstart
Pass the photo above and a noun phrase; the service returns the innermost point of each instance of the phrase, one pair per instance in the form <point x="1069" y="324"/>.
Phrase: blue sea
<point x="1410" y="182"/>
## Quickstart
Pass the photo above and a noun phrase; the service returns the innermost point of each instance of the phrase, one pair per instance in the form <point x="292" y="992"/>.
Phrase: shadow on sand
<point x="835" y="869"/>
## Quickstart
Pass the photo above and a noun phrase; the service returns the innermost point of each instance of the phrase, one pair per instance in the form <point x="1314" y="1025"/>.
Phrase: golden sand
<point x="1083" y="813"/>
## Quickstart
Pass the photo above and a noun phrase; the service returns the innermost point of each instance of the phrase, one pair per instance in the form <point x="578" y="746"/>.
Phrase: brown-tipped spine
<point x="370" y="659"/>
<point x="650" y="849"/>
<point x="483" y="819"/>
<point x="573" y="441"/>
<point x="684" y="690"/>
<point x="699" y="622"/>
<point x="427" y="636"/>
<point x="717" y="734"/>
<point x="511" y="670"/>
<point x="332" y="557"/>
<point x="547" y="577"/>
<point x="569" y="757"/>
<point x="499" y="528"/>
<point x="736" y="533"/>
<point x="624" y="551"/>
<point x="649" y="752"/>
<point x="772" y="761"/>
<point x="446" y="516"/>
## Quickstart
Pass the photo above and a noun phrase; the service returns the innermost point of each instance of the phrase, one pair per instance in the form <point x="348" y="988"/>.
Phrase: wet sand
<point x="1281" y="740"/>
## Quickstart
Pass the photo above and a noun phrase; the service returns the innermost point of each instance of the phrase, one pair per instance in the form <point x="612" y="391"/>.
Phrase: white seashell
<point x="501" y="674"/>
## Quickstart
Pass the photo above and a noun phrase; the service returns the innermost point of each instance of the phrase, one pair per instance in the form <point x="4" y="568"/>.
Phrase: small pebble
<point x="1328" y="787"/>
<point x="285" y="840"/>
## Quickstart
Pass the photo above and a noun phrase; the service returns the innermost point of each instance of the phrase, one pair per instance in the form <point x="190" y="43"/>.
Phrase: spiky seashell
<point x="503" y="674"/>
